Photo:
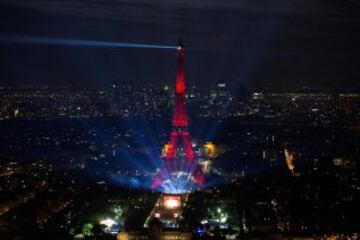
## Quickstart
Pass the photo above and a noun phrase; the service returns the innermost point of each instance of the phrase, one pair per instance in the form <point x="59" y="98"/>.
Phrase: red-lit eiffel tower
<point x="179" y="159"/>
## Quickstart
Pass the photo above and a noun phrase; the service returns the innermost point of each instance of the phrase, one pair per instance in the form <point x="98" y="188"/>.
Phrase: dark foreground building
<point x="154" y="232"/>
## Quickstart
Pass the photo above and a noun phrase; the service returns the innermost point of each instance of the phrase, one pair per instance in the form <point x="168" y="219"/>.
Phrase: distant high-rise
<point x="180" y="165"/>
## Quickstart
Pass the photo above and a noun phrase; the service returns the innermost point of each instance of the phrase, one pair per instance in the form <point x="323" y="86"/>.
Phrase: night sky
<point x="275" y="43"/>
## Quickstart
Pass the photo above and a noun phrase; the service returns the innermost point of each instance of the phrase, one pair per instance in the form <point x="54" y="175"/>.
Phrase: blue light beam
<point x="75" y="42"/>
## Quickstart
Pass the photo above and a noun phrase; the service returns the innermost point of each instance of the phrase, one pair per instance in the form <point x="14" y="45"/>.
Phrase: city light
<point x="210" y="150"/>
<point x="165" y="149"/>
<point x="172" y="202"/>
<point x="108" y="222"/>
<point x="289" y="158"/>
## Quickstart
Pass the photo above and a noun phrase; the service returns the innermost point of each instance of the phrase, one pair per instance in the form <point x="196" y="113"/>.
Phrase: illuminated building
<point x="168" y="210"/>
<point x="164" y="222"/>
<point x="16" y="113"/>
<point x="165" y="150"/>
<point x="171" y="201"/>
<point x="180" y="166"/>
<point x="289" y="158"/>
<point x="209" y="152"/>
<point x="205" y="166"/>
<point x="145" y="234"/>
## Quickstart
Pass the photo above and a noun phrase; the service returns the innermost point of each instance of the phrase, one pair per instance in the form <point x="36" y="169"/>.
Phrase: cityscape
<point x="171" y="149"/>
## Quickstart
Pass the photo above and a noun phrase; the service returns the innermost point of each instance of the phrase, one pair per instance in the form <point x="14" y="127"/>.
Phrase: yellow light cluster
<point x="289" y="157"/>
<point x="211" y="150"/>
<point x="165" y="149"/>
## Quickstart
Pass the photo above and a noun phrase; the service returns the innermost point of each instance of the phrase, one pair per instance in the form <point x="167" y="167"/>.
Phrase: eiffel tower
<point x="180" y="167"/>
